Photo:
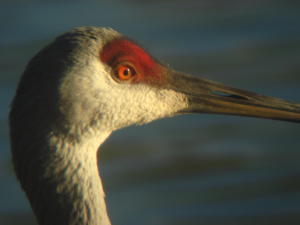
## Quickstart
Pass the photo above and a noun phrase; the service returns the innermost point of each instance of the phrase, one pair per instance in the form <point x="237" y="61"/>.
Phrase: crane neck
<point x="69" y="189"/>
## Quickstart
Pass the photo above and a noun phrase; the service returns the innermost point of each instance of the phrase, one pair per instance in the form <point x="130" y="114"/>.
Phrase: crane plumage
<point x="83" y="86"/>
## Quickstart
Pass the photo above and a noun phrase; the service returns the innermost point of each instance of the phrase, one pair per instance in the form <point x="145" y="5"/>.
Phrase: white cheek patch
<point x="129" y="104"/>
<point x="156" y="103"/>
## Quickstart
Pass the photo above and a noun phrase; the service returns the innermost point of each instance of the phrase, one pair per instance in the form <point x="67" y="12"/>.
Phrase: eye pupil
<point x="126" y="72"/>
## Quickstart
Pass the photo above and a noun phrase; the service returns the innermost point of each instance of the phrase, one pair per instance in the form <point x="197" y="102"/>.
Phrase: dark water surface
<point x="194" y="169"/>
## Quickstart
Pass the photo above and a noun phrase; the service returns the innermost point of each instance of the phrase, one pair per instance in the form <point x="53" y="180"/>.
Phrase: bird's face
<point x="117" y="84"/>
<point x="113" y="83"/>
<point x="137" y="85"/>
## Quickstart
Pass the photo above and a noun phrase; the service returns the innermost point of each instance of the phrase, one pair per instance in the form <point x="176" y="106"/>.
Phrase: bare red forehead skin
<point x="123" y="50"/>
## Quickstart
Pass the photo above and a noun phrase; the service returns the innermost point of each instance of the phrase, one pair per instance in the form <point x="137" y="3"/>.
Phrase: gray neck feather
<point x="63" y="183"/>
<point x="72" y="191"/>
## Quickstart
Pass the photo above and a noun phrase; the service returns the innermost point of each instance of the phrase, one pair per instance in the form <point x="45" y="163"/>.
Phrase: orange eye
<point x="125" y="72"/>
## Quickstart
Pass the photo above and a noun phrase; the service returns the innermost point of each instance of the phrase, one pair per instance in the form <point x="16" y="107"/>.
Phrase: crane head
<point x="95" y="77"/>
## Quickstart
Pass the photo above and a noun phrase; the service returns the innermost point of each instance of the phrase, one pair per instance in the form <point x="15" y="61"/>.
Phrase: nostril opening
<point x="223" y="94"/>
<point x="237" y="97"/>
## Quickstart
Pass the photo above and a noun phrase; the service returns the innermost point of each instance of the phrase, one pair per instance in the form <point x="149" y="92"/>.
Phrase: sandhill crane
<point x="83" y="86"/>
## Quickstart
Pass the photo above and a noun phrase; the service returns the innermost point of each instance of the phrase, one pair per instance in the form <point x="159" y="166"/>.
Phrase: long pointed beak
<point x="205" y="96"/>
